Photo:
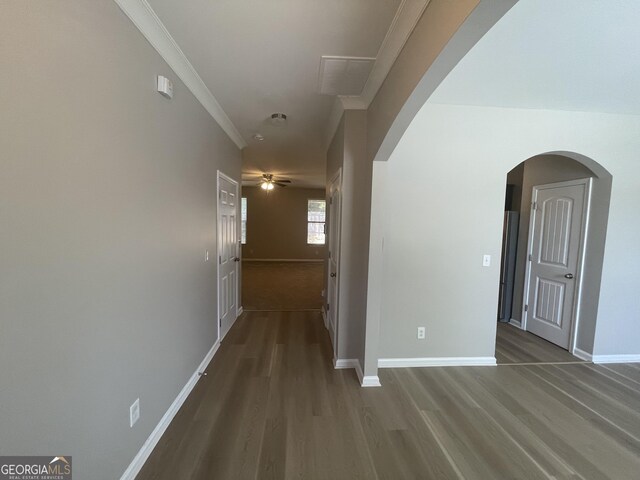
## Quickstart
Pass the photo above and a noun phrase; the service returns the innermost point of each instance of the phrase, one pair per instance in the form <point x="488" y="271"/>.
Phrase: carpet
<point x="282" y="285"/>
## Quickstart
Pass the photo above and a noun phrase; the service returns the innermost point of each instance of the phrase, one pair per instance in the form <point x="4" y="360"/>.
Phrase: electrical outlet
<point x="134" y="412"/>
<point x="422" y="333"/>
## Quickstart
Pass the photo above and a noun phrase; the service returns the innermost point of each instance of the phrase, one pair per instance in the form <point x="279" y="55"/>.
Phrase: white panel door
<point x="227" y="253"/>
<point x="334" y="260"/>
<point x="559" y="211"/>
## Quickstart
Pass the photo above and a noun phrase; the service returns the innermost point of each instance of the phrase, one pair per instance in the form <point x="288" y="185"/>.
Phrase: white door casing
<point x="228" y="258"/>
<point x="557" y="237"/>
<point x="333" y="267"/>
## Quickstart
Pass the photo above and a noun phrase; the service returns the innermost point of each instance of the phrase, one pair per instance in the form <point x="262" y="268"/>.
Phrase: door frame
<point x="220" y="175"/>
<point x="575" y="314"/>
<point x="337" y="180"/>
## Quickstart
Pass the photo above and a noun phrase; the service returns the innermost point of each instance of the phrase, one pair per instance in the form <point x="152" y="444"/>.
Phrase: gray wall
<point x="515" y="178"/>
<point x="555" y="168"/>
<point x="438" y="229"/>
<point x="107" y="205"/>
<point x="348" y="151"/>
<point x="277" y="224"/>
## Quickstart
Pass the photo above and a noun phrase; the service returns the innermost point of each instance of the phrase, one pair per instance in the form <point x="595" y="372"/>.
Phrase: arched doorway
<point x="556" y="212"/>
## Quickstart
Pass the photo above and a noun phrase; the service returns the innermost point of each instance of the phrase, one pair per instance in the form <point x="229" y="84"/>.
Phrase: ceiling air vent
<point x="344" y="75"/>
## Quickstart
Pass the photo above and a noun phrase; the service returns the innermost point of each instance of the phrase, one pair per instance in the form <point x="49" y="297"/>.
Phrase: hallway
<point x="272" y="406"/>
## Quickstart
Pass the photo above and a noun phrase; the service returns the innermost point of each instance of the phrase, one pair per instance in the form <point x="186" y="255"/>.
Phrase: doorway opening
<point x="283" y="247"/>
<point x="556" y="212"/>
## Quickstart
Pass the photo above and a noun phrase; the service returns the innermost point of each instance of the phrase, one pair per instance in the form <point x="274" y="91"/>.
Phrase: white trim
<point x="334" y="187"/>
<point x="575" y="316"/>
<point x="368" y="381"/>
<point x="146" y="20"/>
<point x="516" y="323"/>
<point x="305" y="260"/>
<point x="324" y="316"/>
<point x="633" y="358"/>
<point x="143" y="454"/>
<point x="582" y="355"/>
<point x="239" y="311"/>
<point x="341" y="363"/>
<point x="436" y="362"/>
<point x="219" y="176"/>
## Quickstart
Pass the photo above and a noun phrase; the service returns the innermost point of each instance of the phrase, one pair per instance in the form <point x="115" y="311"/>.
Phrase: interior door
<point x="334" y="259"/>
<point x="555" y="243"/>
<point x="227" y="252"/>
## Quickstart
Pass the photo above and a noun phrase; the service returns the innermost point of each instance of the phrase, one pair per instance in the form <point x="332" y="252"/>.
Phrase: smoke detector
<point x="278" y="118"/>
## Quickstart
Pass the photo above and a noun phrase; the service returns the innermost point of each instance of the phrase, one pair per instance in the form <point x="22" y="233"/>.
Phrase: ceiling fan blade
<point x="280" y="184"/>
<point x="284" y="181"/>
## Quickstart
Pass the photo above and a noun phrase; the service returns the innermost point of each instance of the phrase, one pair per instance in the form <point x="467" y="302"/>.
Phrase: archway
<point x="518" y="293"/>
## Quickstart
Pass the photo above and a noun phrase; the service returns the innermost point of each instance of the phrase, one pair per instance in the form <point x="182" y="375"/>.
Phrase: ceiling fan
<point x="268" y="182"/>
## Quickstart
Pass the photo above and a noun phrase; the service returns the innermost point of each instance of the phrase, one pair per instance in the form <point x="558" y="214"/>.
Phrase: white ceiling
<point x="258" y="57"/>
<point x="579" y="55"/>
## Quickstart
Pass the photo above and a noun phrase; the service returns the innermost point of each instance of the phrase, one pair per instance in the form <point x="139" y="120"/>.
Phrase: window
<point x="316" y="210"/>
<point x="243" y="220"/>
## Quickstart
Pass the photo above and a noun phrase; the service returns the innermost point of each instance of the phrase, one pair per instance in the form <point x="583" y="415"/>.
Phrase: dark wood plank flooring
<point x="272" y="407"/>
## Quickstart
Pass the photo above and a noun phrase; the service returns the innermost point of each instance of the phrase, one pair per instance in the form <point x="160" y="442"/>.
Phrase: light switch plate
<point x="486" y="261"/>
<point x="134" y="412"/>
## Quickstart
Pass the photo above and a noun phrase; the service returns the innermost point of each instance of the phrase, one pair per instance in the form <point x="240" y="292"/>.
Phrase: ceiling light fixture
<point x="278" y="119"/>
<point x="258" y="138"/>
<point x="267" y="186"/>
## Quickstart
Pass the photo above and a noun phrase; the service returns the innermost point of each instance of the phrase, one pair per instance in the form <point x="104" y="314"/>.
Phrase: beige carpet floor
<point x="282" y="285"/>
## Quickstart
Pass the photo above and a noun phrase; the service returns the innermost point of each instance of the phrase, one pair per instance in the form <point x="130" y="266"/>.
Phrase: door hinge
<point x="534" y="205"/>
<point x="220" y="259"/>
<point x="328" y="307"/>
<point x="220" y="323"/>
<point x="526" y="307"/>
<point x="530" y="257"/>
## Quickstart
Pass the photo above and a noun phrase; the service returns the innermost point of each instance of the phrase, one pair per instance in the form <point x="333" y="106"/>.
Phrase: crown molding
<point x="405" y="20"/>
<point x="146" y="20"/>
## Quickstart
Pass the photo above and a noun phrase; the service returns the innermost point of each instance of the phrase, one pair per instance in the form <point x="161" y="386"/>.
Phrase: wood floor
<point x="514" y="345"/>
<point x="272" y="407"/>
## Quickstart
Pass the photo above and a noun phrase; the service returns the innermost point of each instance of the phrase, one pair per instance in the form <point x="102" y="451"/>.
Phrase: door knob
<point x="333" y="274"/>
<point x="569" y="276"/>
<point x="237" y="259"/>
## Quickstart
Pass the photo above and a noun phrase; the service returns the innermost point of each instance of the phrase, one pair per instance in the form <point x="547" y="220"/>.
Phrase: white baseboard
<point x="634" y="358"/>
<point x="138" y="462"/>
<point x="324" y="318"/>
<point x="283" y="260"/>
<point x="368" y="381"/>
<point x="340" y="363"/>
<point x="238" y="313"/>
<point x="515" y="323"/>
<point x="582" y="355"/>
<point x="436" y="362"/>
